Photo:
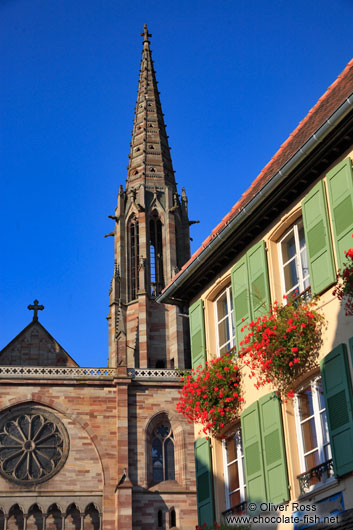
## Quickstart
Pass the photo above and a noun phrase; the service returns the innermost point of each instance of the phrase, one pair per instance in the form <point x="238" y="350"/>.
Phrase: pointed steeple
<point x="151" y="240"/>
<point x="149" y="159"/>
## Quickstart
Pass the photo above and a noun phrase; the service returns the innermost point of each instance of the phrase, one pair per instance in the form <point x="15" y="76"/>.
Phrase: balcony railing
<point x="236" y="510"/>
<point x="76" y="372"/>
<point x="55" y="372"/>
<point x="315" y="475"/>
<point x="160" y="374"/>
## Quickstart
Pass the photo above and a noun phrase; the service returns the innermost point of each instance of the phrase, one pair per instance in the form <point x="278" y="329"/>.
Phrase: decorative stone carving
<point x="34" y="445"/>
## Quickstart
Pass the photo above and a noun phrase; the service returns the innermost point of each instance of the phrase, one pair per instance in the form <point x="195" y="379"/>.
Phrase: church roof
<point x="149" y="158"/>
<point x="340" y="93"/>
<point x="35" y="346"/>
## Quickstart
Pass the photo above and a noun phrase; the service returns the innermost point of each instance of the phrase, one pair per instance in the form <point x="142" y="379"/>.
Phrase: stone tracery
<point x="33" y="445"/>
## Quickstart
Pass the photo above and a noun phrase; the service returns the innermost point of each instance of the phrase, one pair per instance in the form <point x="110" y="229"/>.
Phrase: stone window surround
<point x="241" y="471"/>
<point x="303" y="279"/>
<point x="179" y="449"/>
<point x="228" y="317"/>
<point x="316" y="416"/>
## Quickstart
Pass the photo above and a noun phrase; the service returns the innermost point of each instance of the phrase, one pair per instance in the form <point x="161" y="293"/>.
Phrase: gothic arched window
<point x="156" y="254"/>
<point x="133" y="257"/>
<point x="163" y="466"/>
<point x="172" y="516"/>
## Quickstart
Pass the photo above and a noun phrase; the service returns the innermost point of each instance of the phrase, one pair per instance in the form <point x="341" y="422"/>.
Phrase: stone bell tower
<point x="151" y="241"/>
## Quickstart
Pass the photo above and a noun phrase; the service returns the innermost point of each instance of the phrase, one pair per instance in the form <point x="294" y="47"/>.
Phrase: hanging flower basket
<point x="283" y="344"/>
<point x="211" y="395"/>
<point x="344" y="288"/>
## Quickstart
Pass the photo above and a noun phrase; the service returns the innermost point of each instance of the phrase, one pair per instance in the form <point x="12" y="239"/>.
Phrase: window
<point x="233" y="458"/>
<point x="172" y="516"/>
<point x="224" y="321"/>
<point x="312" y="431"/>
<point x="293" y="261"/>
<point x="163" y="453"/>
<point x="156" y="254"/>
<point x="133" y="258"/>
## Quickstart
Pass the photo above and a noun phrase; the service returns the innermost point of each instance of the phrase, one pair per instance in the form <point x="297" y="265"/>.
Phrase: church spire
<point x="149" y="159"/>
<point x="151" y="241"/>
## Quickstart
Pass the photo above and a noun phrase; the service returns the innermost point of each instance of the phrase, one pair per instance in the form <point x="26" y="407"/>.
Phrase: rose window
<point x="33" y="445"/>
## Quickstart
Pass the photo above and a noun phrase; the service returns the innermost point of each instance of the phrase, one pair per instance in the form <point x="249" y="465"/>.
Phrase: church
<point x="92" y="448"/>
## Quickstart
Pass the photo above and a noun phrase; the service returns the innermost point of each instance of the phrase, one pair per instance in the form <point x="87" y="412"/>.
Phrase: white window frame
<point x="317" y="412"/>
<point x="298" y="252"/>
<point x="241" y="471"/>
<point x="229" y="317"/>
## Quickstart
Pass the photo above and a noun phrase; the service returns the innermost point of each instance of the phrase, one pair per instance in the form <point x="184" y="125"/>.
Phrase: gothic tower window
<point x="133" y="258"/>
<point x="172" y="514"/>
<point x="156" y="254"/>
<point x="163" y="467"/>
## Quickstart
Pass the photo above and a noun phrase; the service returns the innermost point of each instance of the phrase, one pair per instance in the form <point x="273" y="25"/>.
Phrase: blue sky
<point x="235" y="77"/>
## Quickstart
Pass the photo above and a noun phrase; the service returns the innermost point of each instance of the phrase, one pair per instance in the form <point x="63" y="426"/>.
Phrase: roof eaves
<point x="240" y="209"/>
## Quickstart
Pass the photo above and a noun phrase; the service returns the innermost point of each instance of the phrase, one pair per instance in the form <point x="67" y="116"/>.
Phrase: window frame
<point x="229" y="317"/>
<point x="294" y="226"/>
<point x="319" y="428"/>
<point x="133" y="258"/>
<point x="156" y="259"/>
<point x="166" y="465"/>
<point x="240" y="462"/>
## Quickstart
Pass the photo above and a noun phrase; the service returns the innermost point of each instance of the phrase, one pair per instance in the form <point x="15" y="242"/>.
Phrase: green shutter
<point x="340" y="191"/>
<point x="258" y="280"/>
<point x="204" y="481"/>
<point x="318" y="239"/>
<point x="250" y="288"/>
<point x="240" y="293"/>
<point x="338" y="396"/>
<point x="275" y="464"/>
<point x="197" y="334"/>
<point x="254" y="471"/>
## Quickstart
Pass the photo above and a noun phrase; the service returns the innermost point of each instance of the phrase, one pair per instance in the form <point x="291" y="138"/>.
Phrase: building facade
<point x="104" y="447"/>
<point x="286" y="236"/>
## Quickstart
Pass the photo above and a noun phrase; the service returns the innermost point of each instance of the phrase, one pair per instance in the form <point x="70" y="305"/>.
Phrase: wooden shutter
<point x="258" y="280"/>
<point x="338" y="396"/>
<point x="204" y="481"/>
<point x="240" y="293"/>
<point x="318" y="239"/>
<point x="275" y="464"/>
<point x="197" y="334"/>
<point x="340" y="191"/>
<point x="252" y="444"/>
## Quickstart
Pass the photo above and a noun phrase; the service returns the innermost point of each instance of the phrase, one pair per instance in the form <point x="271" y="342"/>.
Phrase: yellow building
<point x="287" y="234"/>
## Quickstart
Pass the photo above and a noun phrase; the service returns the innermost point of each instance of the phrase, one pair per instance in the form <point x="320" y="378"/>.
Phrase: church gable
<point x="34" y="346"/>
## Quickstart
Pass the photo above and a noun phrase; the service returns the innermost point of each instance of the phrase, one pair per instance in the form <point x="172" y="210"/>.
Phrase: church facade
<point x="104" y="447"/>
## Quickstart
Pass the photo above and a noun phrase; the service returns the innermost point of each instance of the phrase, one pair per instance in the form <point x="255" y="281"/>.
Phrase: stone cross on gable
<point x="35" y="308"/>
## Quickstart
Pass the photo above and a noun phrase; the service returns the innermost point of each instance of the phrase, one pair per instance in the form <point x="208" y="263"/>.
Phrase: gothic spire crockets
<point x="149" y="159"/>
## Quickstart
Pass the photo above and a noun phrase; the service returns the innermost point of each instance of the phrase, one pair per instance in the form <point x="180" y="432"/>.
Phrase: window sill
<point x="319" y="488"/>
<point x="167" y="486"/>
<point x="131" y="302"/>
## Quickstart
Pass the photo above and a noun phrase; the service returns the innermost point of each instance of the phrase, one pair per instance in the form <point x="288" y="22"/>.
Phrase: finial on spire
<point x="145" y="34"/>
